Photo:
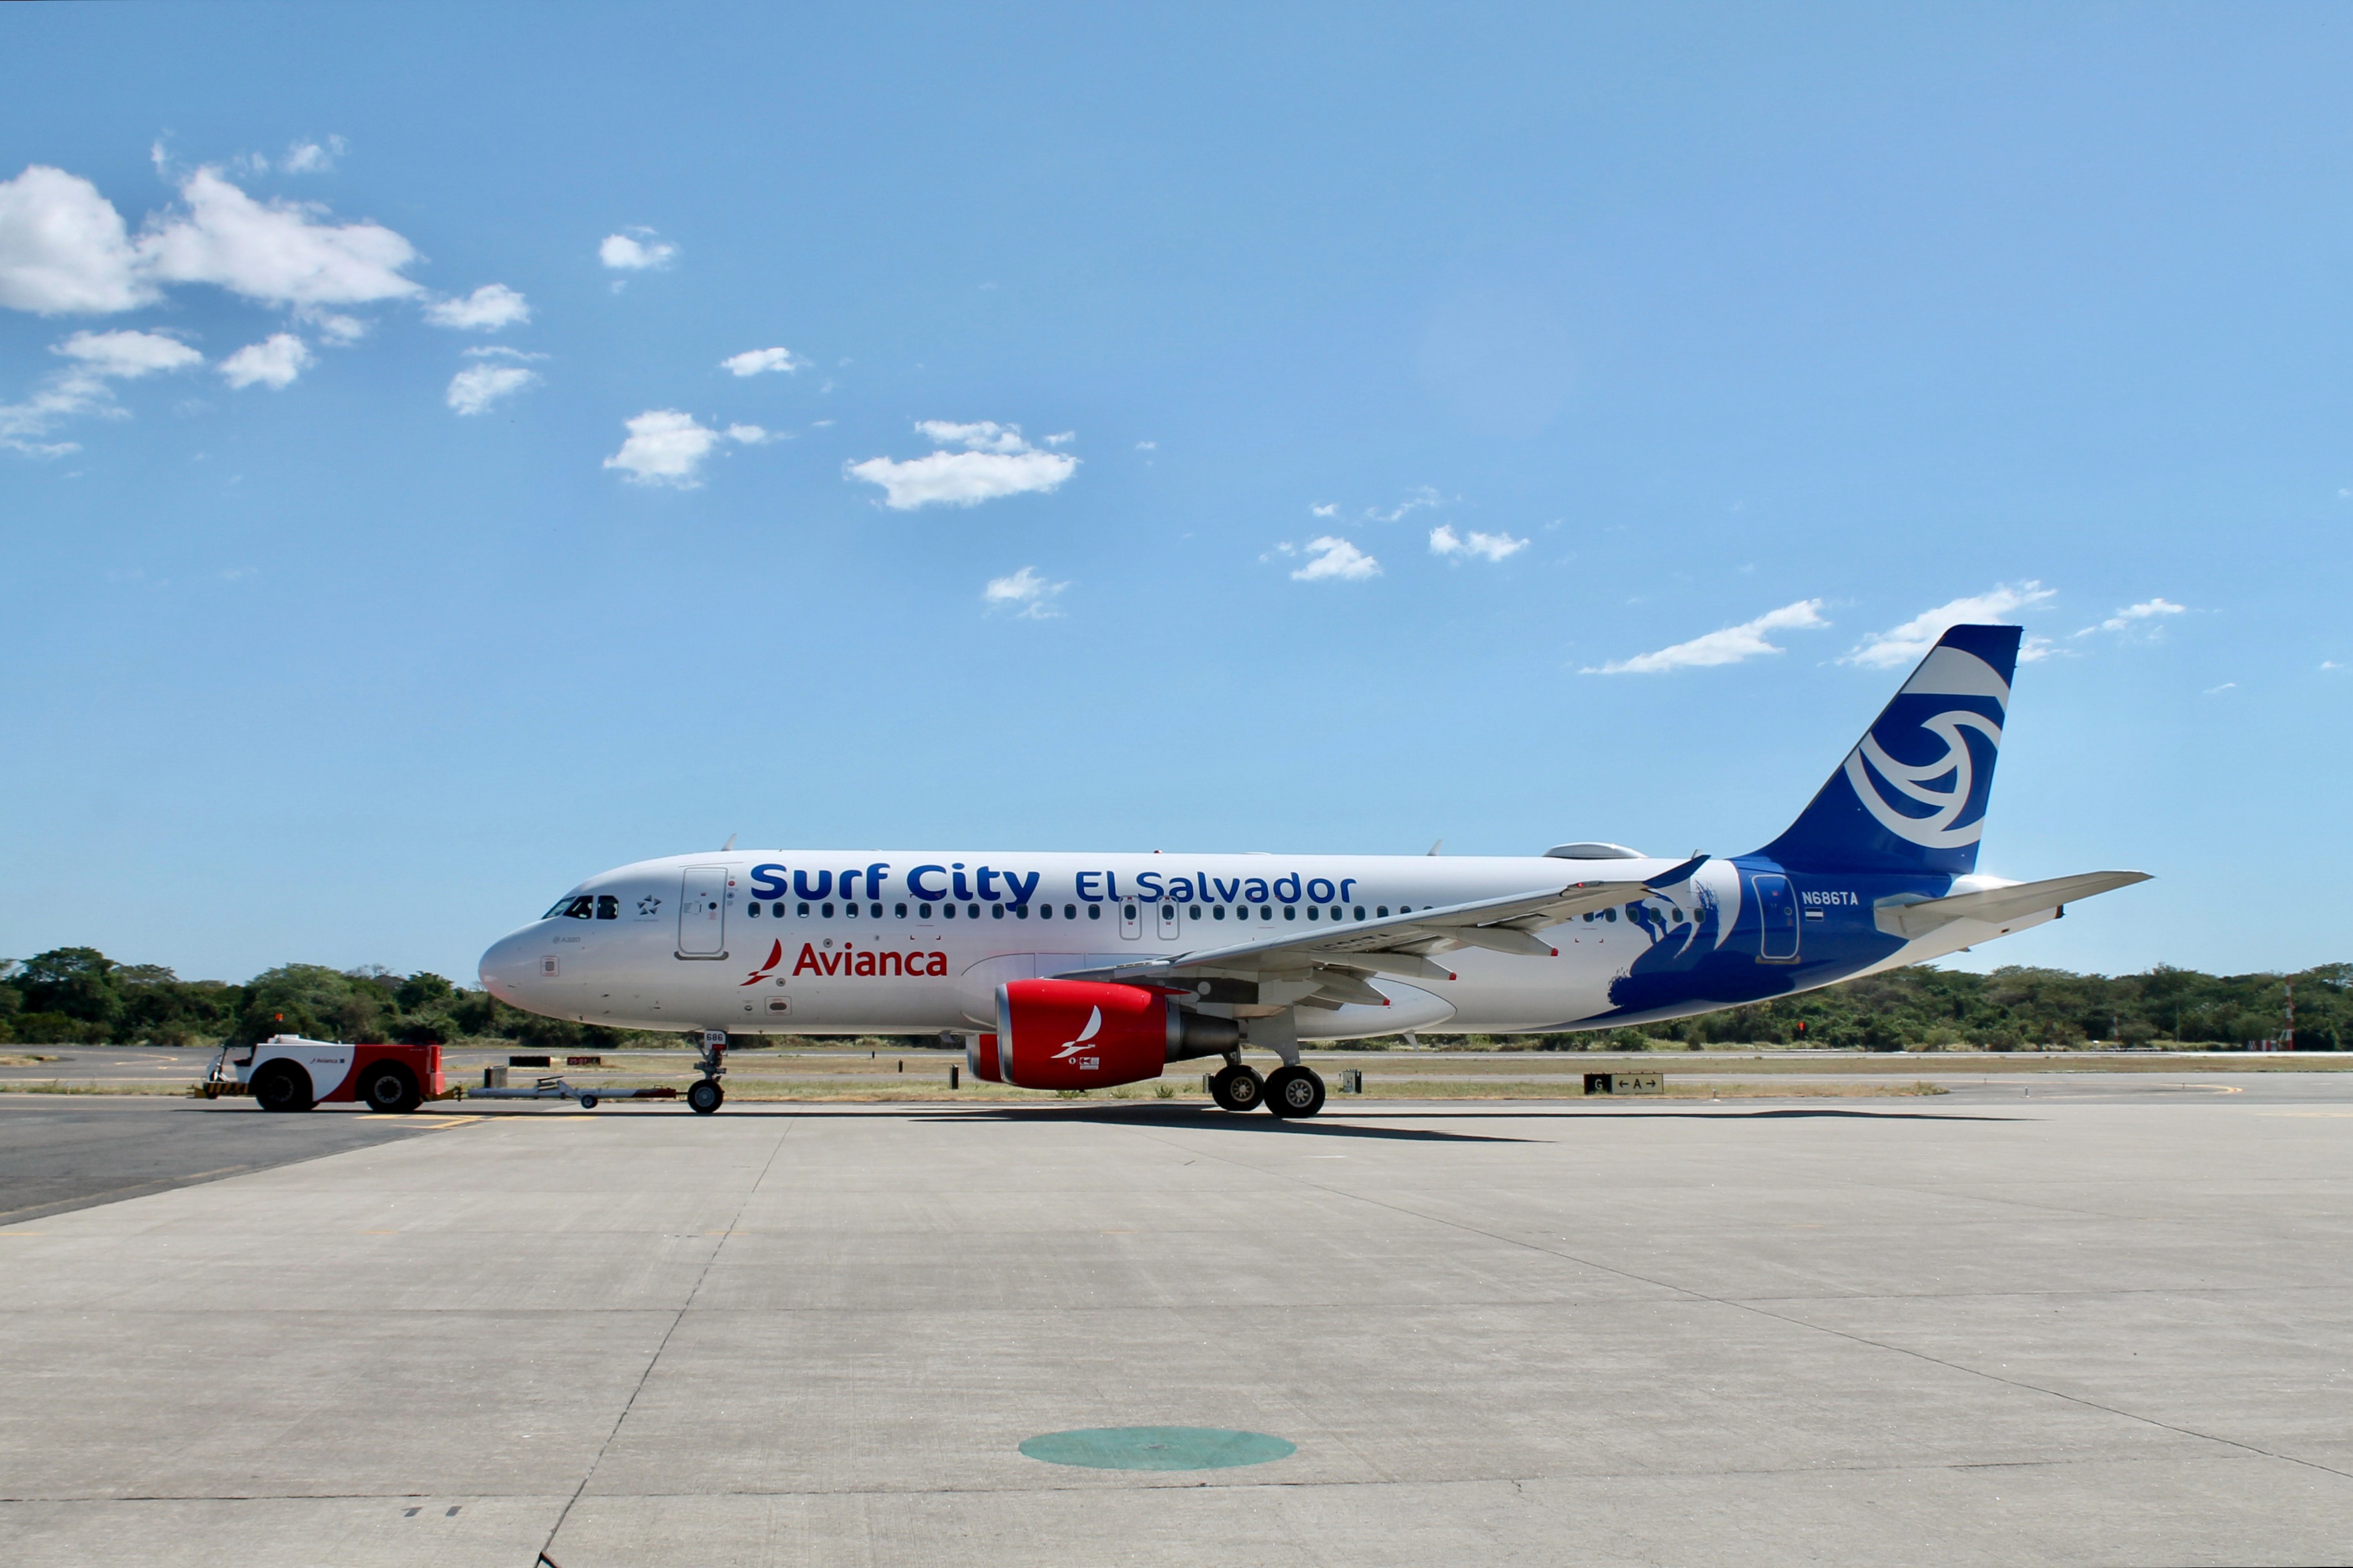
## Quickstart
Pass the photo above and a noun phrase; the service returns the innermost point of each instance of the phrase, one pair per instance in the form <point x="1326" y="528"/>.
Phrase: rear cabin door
<point x="1777" y="907"/>
<point x="702" y="912"/>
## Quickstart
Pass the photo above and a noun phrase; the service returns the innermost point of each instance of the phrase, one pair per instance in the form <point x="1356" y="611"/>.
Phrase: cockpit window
<point x="583" y="907"/>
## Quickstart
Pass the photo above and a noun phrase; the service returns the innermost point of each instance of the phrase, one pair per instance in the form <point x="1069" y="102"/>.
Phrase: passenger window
<point x="1314" y="913"/>
<point x="996" y="912"/>
<point x="875" y="911"/>
<point x="1383" y="911"/>
<point x="826" y="909"/>
<point x="608" y="907"/>
<point x="947" y="911"/>
<point x="1020" y="911"/>
<point x="1266" y="911"/>
<point x="753" y="911"/>
<point x="1611" y="914"/>
<point x="804" y="911"/>
<point x="1094" y="911"/>
<point x="1070" y="911"/>
<point x="777" y="909"/>
<point x="1288" y="912"/>
<point x="1193" y="913"/>
<point x="972" y="911"/>
<point x="1218" y="911"/>
<point x="1360" y="912"/>
<point x="1128" y="913"/>
<point x="1045" y="911"/>
<point x="922" y="911"/>
<point x="900" y="909"/>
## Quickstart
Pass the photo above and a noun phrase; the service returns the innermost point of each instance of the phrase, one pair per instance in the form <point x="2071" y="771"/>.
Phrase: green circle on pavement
<point x="1157" y="1448"/>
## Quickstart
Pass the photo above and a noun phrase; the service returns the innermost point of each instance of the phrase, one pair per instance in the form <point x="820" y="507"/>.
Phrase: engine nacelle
<point x="1084" y="1034"/>
<point x="980" y="1057"/>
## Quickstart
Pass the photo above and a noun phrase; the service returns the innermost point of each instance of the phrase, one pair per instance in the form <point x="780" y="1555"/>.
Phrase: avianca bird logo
<point x="1086" y="1037"/>
<point x="776" y="956"/>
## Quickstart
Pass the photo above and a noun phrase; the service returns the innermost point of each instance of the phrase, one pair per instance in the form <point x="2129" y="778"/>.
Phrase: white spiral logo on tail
<point x="1935" y="830"/>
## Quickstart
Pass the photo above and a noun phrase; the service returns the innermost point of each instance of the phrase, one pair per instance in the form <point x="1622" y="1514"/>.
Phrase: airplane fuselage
<point x="908" y="942"/>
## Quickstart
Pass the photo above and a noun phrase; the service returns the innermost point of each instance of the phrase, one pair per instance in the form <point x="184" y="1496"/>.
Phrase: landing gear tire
<point x="282" y="1085"/>
<point x="391" y="1090"/>
<point x="1238" y="1087"/>
<point x="705" y="1096"/>
<point x="1294" y="1091"/>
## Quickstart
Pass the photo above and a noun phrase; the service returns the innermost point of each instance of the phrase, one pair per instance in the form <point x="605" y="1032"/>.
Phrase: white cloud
<point x="1324" y="508"/>
<point x="63" y="248"/>
<point x="314" y="157"/>
<point x="1029" y="595"/>
<point x="340" y="331"/>
<point x="636" y="250"/>
<point x="996" y="462"/>
<point x="2133" y="615"/>
<point x="1063" y="439"/>
<point x="2218" y="690"/>
<point x="667" y="447"/>
<point x="981" y="436"/>
<point x="274" y="363"/>
<point x="128" y="354"/>
<point x="1909" y="643"/>
<point x="486" y="310"/>
<point x="1147" y="445"/>
<point x="2330" y="664"/>
<point x="82" y="387"/>
<point x="473" y="389"/>
<point x="752" y="435"/>
<point x="1486" y="546"/>
<point x="281" y="253"/>
<point x="1730" y="646"/>
<point x="754" y="362"/>
<point x="1421" y="496"/>
<point x="1336" y="558"/>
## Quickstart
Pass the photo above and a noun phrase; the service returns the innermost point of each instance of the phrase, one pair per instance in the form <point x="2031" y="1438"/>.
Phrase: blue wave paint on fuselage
<point x="1686" y="972"/>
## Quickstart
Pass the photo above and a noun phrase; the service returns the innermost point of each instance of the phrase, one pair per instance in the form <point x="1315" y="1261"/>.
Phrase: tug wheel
<point x="282" y="1085"/>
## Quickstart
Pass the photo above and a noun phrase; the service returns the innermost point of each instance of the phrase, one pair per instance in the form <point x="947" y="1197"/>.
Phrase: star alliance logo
<point x="649" y="904"/>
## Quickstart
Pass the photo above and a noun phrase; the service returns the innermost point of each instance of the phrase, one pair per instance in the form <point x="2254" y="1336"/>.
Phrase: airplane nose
<point x="506" y="966"/>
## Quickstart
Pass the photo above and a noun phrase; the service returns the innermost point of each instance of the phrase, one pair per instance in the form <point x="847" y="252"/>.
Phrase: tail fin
<point x="1912" y="794"/>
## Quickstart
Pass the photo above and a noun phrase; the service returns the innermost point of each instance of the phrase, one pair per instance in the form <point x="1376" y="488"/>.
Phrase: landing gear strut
<point x="1238" y="1087"/>
<point x="705" y="1095"/>
<point x="1294" y="1091"/>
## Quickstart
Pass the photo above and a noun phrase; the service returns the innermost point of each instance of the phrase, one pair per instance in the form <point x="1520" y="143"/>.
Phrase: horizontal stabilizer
<point x="1995" y="905"/>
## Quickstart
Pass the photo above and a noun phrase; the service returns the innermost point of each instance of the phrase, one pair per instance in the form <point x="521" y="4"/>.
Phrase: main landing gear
<point x="1289" y="1091"/>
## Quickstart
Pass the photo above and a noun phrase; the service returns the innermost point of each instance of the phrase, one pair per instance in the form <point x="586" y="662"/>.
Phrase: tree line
<point x="72" y="995"/>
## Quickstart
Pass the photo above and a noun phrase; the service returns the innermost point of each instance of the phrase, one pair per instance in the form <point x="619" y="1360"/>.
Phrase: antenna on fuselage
<point x="1434" y="844"/>
<point x="729" y="845"/>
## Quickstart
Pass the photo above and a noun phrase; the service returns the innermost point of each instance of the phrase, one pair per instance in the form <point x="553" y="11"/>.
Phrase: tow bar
<point x="554" y="1088"/>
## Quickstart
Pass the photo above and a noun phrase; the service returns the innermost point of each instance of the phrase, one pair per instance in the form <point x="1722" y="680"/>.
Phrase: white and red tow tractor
<point x="287" y="1072"/>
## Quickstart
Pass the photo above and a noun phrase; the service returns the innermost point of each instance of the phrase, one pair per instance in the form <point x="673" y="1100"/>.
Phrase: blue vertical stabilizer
<point x="1910" y="796"/>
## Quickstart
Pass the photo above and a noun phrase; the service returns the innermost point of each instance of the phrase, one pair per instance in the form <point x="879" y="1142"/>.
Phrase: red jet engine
<point x="1084" y="1034"/>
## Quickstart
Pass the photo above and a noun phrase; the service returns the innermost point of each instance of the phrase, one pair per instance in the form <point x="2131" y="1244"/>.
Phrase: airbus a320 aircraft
<point x="1082" y="971"/>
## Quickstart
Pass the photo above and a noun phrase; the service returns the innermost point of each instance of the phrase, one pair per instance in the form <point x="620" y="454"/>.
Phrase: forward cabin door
<point x="1776" y="907"/>
<point x="702" y="912"/>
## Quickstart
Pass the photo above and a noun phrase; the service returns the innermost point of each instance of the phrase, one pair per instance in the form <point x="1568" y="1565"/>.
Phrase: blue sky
<point x="386" y="540"/>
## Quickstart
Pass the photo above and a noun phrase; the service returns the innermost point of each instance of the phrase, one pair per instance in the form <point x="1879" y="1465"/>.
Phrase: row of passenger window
<point x="1070" y="911"/>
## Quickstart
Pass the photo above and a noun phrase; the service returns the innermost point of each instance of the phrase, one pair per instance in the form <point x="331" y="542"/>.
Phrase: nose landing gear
<point x="705" y="1095"/>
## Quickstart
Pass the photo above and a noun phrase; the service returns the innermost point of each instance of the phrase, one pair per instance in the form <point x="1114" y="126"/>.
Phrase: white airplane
<point x="1079" y="970"/>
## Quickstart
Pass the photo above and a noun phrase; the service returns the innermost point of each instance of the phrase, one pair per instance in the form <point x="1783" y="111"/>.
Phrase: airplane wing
<point x="1342" y="959"/>
<point x="1996" y="905"/>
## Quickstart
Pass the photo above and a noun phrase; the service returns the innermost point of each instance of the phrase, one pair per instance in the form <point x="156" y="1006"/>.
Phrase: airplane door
<point x="702" y="912"/>
<point x="1776" y="907"/>
<point x="1130" y="922"/>
<point x="1168" y="922"/>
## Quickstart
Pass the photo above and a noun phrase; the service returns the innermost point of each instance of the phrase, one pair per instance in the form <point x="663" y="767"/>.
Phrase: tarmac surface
<point x="2106" y="1323"/>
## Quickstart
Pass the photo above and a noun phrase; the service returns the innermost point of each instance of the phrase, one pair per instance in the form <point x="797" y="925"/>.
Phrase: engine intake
<point x="1084" y="1034"/>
